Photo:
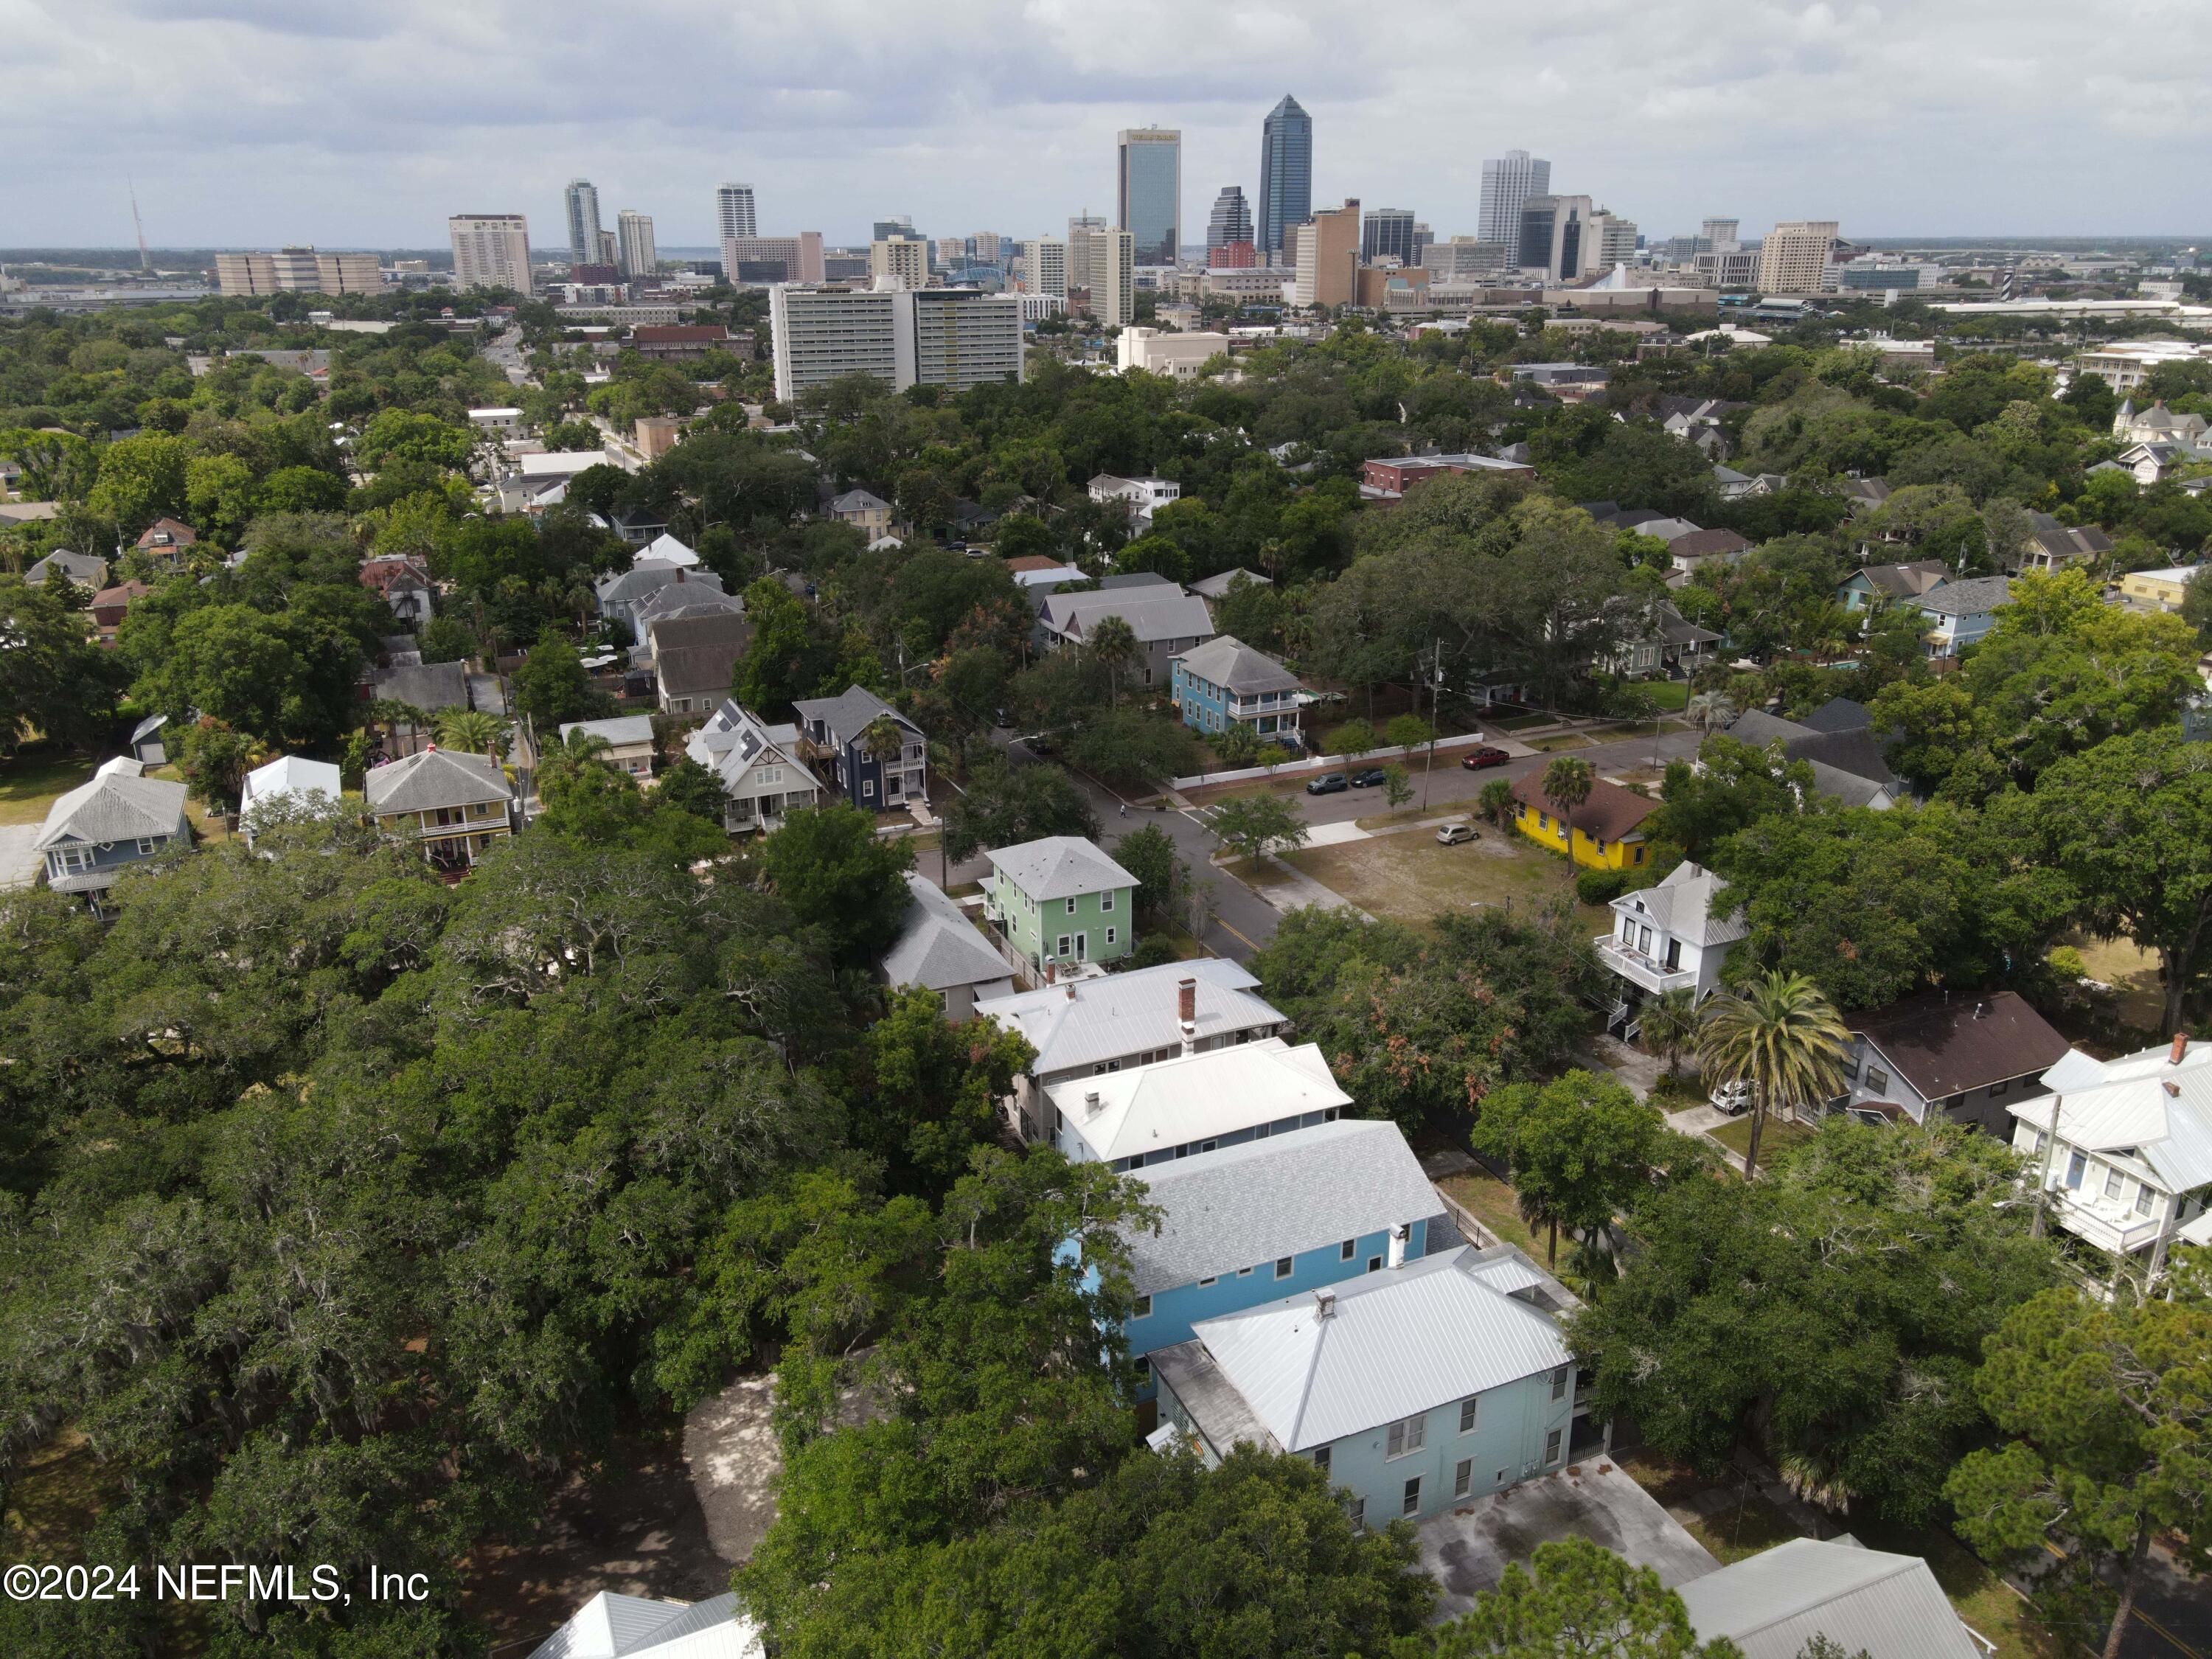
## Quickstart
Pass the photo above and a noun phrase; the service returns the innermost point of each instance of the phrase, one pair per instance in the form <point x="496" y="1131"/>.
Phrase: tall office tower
<point x="1047" y="258"/>
<point x="885" y="228"/>
<point x="1286" y="176"/>
<point x="634" y="231"/>
<point x="1328" y="257"/>
<point x="1508" y="182"/>
<point x="490" y="250"/>
<point x="1107" y="261"/>
<point x="1231" y="220"/>
<point x="733" y="206"/>
<point x="985" y="245"/>
<point x="583" y="221"/>
<point x="1718" y="234"/>
<point x="1422" y="237"/>
<point x="904" y="261"/>
<point x="1079" y="250"/>
<point x="1465" y="257"/>
<point x="1148" y="191"/>
<point x="610" y="248"/>
<point x="1794" y="255"/>
<point x="1555" y="237"/>
<point x="952" y="337"/>
<point x="950" y="250"/>
<point x="1387" y="233"/>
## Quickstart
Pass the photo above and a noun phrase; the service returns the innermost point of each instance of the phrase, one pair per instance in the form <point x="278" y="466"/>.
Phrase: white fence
<point x="1322" y="763"/>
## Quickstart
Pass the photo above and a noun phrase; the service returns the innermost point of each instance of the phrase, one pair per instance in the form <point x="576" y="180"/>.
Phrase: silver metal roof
<point x="1683" y="904"/>
<point x="1246" y="1204"/>
<point x="2126" y="1103"/>
<point x="615" y="732"/>
<point x="1397" y="1342"/>
<point x="1144" y="1110"/>
<point x="1772" y="1604"/>
<point x="1084" y="1022"/>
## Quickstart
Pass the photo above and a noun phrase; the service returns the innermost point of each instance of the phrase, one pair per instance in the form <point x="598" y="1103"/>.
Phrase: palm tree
<point x="1670" y="1025"/>
<point x="1114" y="646"/>
<point x="1782" y="1037"/>
<point x="1711" y="708"/>
<point x="1567" y="784"/>
<point x="471" y="729"/>
<point x="568" y="760"/>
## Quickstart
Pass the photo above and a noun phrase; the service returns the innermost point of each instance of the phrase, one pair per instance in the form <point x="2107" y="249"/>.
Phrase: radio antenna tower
<point x="145" y="259"/>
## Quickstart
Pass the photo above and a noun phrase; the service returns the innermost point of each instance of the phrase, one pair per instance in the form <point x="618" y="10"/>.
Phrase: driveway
<point x="1467" y="1550"/>
<point x="19" y="858"/>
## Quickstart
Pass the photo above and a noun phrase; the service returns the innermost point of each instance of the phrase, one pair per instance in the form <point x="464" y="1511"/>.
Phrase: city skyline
<point x="302" y="127"/>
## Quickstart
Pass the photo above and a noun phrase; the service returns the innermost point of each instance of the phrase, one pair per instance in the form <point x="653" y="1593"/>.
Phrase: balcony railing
<point x="2104" y="1222"/>
<point x="1635" y="966"/>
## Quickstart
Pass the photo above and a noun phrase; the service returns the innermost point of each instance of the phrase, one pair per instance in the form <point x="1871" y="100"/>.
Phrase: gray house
<point x="85" y="569"/>
<point x="1867" y="1601"/>
<point x="619" y="595"/>
<point x="100" y="829"/>
<point x="1932" y="1056"/>
<point x="940" y="949"/>
<point x="1166" y="621"/>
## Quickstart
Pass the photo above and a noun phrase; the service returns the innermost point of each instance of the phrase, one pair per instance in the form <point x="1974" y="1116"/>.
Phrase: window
<point x="1143" y="1310"/>
<point x="1407" y="1434"/>
<point x="1110" y="935"/>
<point x="1347" y="1251"/>
<point x="1320" y="1459"/>
<point x="1356" y="1512"/>
<point x="1283" y="1265"/>
<point x="2074" y="1167"/>
<point x="1064" y="942"/>
<point x="2145" y="1199"/>
<point x="1463" y="1477"/>
<point x="146" y="846"/>
<point x="2115" y="1183"/>
<point x="1411" y="1504"/>
<point x="1559" y="1383"/>
<point x="1244" y="1273"/>
<point x="1144" y="1365"/>
<point x="1998" y="1089"/>
<point x="1071" y="906"/>
<point x="1552" y="1446"/>
<point x="868" y="788"/>
<point x="1374" y="1264"/>
<point x="1466" y="1413"/>
<point x="1105" y="901"/>
<point x="1877" y="1078"/>
<point x="1211" y="1278"/>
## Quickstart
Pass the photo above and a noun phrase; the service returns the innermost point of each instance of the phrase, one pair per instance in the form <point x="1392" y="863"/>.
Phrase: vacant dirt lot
<point x="1409" y="878"/>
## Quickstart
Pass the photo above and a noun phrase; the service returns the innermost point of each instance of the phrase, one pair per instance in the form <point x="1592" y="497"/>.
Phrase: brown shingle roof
<point x="1611" y="813"/>
<point x="1705" y="544"/>
<point x="1945" y="1047"/>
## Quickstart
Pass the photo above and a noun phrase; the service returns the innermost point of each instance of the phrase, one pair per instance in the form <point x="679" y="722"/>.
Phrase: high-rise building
<point x="1148" y="191"/>
<point x="1465" y="257"/>
<point x="636" y="252"/>
<point x="1079" y="249"/>
<point x="1611" y="240"/>
<point x="755" y="261"/>
<point x="1046" y="261"/>
<point x="610" y="248"/>
<point x="903" y="261"/>
<point x="490" y="250"/>
<point x="950" y="250"/>
<point x="583" y="202"/>
<point x="1328" y="257"/>
<point x="1794" y="256"/>
<point x="1718" y="234"/>
<point x="1555" y="237"/>
<point x="1508" y="182"/>
<point x="1106" y="260"/>
<point x="901" y="226"/>
<point x="1387" y="233"/>
<point x="734" y="207"/>
<point x="1286" y="176"/>
<point x="985" y="245"/>
<point x="952" y="337"/>
<point x="1231" y="219"/>
<point x="298" y="271"/>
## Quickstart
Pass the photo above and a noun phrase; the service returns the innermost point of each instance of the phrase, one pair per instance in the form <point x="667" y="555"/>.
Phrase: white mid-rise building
<point x="1794" y="258"/>
<point x="1178" y="356"/>
<point x="952" y="337"/>
<point x="298" y="271"/>
<point x="734" y="207"/>
<point x="633" y="237"/>
<point x="1108" y="265"/>
<point x="490" y="250"/>
<point x="1047" y="262"/>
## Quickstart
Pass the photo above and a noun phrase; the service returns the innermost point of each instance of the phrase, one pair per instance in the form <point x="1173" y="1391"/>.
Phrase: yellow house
<point x="2162" y="590"/>
<point x="451" y="804"/>
<point x="1608" y="827"/>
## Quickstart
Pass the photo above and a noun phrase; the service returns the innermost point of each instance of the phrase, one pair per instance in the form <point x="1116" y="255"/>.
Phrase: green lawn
<point x="30" y="782"/>
<point x="1736" y="1135"/>
<point x="1493" y="1203"/>
<point x="1671" y="695"/>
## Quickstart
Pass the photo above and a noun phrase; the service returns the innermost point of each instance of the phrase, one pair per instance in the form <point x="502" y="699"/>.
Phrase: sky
<point x="364" y="123"/>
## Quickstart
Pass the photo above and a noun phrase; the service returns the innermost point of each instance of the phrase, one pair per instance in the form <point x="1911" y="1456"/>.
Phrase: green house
<point x="1061" y="901"/>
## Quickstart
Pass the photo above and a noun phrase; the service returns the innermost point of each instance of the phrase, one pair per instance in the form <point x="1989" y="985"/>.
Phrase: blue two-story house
<point x="1417" y="1389"/>
<point x="100" y="829"/>
<point x="1224" y="683"/>
<point x="1264" y="1220"/>
<point x="834" y="733"/>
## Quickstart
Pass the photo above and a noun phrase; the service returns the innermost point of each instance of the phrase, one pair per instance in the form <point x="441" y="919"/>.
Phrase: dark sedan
<point x="1476" y="759"/>
<point x="1373" y="778"/>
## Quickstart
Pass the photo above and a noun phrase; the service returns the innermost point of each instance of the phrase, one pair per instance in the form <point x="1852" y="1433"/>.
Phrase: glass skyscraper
<point x="1149" y="192"/>
<point x="1286" y="174"/>
<point x="583" y="203"/>
<point x="1509" y="181"/>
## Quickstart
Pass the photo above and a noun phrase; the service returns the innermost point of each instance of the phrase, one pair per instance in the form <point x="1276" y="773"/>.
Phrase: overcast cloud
<point x="365" y="123"/>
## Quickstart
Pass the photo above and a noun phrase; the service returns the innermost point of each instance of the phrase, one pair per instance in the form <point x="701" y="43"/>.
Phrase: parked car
<point x="1457" y="835"/>
<point x="1328" y="783"/>
<point x="1732" y="1098"/>
<point x="1476" y="759"/>
<point x="1373" y="778"/>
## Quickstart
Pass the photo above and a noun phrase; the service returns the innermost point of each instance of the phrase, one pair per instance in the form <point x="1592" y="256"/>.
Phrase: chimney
<point x="1399" y="1235"/>
<point x="1324" y="1305"/>
<point x="679" y="573"/>
<point x="1070" y="990"/>
<point x="1187" y="1000"/>
<point x="1090" y="1104"/>
<point x="2181" y="1049"/>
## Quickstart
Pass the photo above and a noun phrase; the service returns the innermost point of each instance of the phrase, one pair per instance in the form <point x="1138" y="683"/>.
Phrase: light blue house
<point x="1264" y="1220"/>
<point x="1224" y="683"/>
<point x="100" y="829"/>
<point x="1960" y="614"/>
<point x="1417" y="1389"/>
<point x="1182" y="1105"/>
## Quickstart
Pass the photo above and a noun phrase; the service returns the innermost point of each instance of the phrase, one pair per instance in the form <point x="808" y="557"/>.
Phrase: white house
<point x="1142" y="496"/>
<point x="612" y="1627"/>
<point x="1667" y="937"/>
<point x="756" y="765"/>
<point x="289" y="778"/>
<point x="628" y="739"/>
<point x="2123" y="1147"/>
<point x="1192" y="1104"/>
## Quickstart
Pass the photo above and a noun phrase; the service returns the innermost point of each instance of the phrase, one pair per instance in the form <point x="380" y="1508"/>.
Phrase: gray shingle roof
<point x="427" y="686"/>
<point x="1972" y="598"/>
<point x="1153" y="612"/>
<point x="859" y="501"/>
<point x="1226" y="660"/>
<point x="1058" y="867"/>
<point x="115" y="806"/>
<point x="691" y="654"/>
<point x="939" y="947"/>
<point x="85" y="569"/>
<point x="434" y="778"/>
<point x="1246" y="1204"/>
<point x="849" y="713"/>
<point x="1773" y="1604"/>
